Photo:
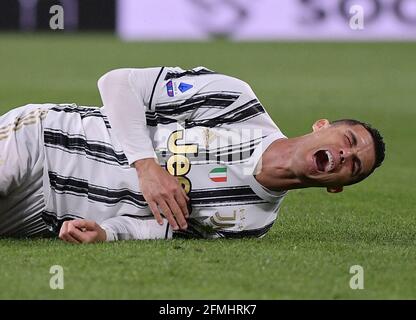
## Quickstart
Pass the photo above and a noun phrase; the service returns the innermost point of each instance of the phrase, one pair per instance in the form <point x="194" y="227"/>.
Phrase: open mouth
<point x="324" y="160"/>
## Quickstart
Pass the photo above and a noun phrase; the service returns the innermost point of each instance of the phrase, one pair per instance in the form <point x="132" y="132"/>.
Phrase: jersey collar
<point x="261" y="191"/>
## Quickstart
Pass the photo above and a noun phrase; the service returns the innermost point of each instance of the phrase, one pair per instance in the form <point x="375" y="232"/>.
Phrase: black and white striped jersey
<point x="207" y="129"/>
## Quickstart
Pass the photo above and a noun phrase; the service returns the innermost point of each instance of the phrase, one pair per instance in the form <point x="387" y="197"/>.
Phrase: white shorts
<point x="21" y="170"/>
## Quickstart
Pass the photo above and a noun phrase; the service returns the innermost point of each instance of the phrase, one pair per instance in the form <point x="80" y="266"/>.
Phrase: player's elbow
<point x="112" y="78"/>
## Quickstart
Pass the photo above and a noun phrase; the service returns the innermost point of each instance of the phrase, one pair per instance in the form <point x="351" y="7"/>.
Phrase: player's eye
<point x="349" y="140"/>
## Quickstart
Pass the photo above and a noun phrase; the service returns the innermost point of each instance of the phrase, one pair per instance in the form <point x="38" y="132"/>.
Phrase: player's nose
<point x="345" y="154"/>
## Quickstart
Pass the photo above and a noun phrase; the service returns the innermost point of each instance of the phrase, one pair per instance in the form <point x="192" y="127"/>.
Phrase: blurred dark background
<point x="32" y="15"/>
<point x="235" y="19"/>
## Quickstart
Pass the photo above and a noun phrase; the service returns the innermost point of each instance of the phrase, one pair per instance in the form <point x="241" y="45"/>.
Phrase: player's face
<point x="335" y="155"/>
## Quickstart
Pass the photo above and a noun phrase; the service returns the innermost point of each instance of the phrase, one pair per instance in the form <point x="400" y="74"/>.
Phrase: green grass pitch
<point x="318" y="236"/>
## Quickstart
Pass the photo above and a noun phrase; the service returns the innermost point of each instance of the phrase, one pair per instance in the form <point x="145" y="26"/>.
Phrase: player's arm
<point x="125" y="94"/>
<point x="113" y="229"/>
<point x="132" y="228"/>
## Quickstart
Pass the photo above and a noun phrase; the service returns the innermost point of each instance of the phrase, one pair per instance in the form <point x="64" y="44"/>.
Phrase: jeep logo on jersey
<point x="178" y="164"/>
<point x="218" y="174"/>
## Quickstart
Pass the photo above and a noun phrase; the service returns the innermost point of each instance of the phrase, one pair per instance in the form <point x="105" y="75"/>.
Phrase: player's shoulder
<point x="178" y="72"/>
<point x="206" y="77"/>
<point x="178" y="84"/>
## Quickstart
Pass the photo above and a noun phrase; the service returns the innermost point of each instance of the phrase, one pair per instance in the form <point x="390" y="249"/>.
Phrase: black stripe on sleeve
<point x="154" y="88"/>
<point x="243" y="113"/>
<point x="167" y="231"/>
<point x="168" y="113"/>
<point x="219" y="100"/>
<point x="192" y="72"/>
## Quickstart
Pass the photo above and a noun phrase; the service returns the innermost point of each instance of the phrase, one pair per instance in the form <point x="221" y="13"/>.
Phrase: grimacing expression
<point x="336" y="155"/>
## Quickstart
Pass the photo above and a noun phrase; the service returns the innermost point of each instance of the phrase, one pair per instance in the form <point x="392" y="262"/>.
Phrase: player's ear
<point x="319" y="124"/>
<point x="334" y="189"/>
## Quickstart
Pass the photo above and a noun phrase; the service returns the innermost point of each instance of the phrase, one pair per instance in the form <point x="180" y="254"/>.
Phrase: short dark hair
<point x="379" y="145"/>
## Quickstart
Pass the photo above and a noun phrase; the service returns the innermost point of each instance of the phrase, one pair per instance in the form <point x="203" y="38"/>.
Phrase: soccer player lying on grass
<point x="172" y="153"/>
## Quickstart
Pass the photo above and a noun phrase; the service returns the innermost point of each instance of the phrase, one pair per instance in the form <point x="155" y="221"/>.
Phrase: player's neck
<point x="275" y="171"/>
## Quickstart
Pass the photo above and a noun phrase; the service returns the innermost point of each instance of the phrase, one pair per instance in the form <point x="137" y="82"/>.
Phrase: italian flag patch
<point x="218" y="174"/>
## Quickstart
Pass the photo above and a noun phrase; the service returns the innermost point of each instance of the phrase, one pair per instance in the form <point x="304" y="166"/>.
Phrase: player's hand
<point x="82" y="231"/>
<point x="163" y="191"/>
